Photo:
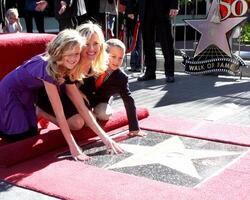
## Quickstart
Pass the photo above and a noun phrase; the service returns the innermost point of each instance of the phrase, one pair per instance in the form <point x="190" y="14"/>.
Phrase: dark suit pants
<point x="161" y="27"/>
<point x="39" y="20"/>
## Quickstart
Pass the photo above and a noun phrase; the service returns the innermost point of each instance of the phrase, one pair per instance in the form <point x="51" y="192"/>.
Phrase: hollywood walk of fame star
<point x="214" y="33"/>
<point x="171" y="153"/>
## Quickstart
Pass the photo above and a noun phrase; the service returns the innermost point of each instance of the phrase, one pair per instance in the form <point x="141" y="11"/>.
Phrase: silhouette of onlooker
<point x="155" y="17"/>
<point x="92" y="7"/>
<point x="2" y="13"/>
<point x="63" y="14"/>
<point x="70" y="14"/>
<point x="132" y="12"/>
<point x="34" y="9"/>
<point x="108" y="7"/>
<point x="79" y="11"/>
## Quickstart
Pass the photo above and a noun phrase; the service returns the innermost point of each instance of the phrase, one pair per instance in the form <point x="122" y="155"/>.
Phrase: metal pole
<point x="185" y="27"/>
<point x="174" y="30"/>
<point x="142" y="54"/>
<point x="240" y="27"/>
<point x="196" y="13"/>
<point x="117" y="4"/>
<point x="106" y="25"/>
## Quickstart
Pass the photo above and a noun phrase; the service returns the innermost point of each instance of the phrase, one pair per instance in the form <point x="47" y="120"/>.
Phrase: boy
<point x="115" y="81"/>
<point x="97" y="91"/>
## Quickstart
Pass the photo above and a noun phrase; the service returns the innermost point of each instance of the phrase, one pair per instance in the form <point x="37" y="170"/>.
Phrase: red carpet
<point x="15" y="48"/>
<point x="202" y="129"/>
<point x="51" y="139"/>
<point x="75" y="180"/>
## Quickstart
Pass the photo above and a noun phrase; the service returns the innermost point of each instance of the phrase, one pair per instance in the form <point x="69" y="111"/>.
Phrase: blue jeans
<point x="135" y="59"/>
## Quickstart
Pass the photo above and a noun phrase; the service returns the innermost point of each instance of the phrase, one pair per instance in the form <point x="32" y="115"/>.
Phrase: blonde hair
<point x="64" y="41"/>
<point x="115" y="43"/>
<point x="99" y="65"/>
<point x="12" y="11"/>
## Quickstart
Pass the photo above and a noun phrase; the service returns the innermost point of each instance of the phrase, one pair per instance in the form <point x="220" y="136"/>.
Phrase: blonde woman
<point x="93" y="58"/>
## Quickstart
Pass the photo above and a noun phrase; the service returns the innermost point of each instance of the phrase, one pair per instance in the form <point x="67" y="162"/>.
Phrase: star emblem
<point x="214" y="33"/>
<point x="171" y="153"/>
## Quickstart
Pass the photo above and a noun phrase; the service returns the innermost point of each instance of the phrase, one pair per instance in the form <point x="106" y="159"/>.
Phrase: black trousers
<point x="157" y="26"/>
<point x="66" y="23"/>
<point x="39" y="20"/>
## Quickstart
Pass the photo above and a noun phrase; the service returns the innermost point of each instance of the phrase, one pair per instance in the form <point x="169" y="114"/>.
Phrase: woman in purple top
<point x="18" y="91"/>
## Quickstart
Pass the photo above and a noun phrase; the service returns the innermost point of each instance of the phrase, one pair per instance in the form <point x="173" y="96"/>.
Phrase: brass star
<point x="213" y="33"/>
<point x="171" y="153"/>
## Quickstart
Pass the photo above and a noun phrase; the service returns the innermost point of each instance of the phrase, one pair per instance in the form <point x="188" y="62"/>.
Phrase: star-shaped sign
<point x="213" y="33"/>
<point x="171" y="153"/>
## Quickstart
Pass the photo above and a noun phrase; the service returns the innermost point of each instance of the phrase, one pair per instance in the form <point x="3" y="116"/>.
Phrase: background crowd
<point x="70" y="14"/>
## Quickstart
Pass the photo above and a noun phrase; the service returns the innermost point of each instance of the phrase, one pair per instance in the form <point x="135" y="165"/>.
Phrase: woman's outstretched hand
<point x="81" y="157"/>
<point x="112" y="146"/>
<point x="77" y="154"/>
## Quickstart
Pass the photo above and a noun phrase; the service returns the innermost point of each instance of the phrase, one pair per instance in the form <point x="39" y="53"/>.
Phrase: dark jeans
<point x="81" y="19"/>
<point x="135" y="60"/>
<point x="65" y="23"/>
<point x="39" y="20"/>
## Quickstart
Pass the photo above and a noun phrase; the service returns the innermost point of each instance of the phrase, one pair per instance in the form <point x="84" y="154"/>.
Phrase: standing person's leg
<point x="148" y="35"/>
<point x="81" y="19"/>
<point x="102" y="20"/>
<point x="111" y="24"/>
<point x="135" y="58"/>
<point x="92" y="7"/>
<point x="135" y="61"/>
<point x="28" y="17"/>
<point x="65" y="23"/>
<point x="39" y="19"/>
<point x="2" y="14"/>
<point x="74" y="22"/>
<point x="164" y="33"/>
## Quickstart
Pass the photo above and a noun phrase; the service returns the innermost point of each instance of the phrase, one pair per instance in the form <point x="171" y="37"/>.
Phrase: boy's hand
<point x="137" y="133"/>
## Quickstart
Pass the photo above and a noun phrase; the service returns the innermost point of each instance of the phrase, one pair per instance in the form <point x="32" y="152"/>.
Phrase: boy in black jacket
<point x="115" y="81"/>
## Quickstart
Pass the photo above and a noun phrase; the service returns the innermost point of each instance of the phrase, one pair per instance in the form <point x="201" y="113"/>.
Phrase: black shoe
<point x="134" y="70"/>
<point x="170" y="79"/>
<point x="146" y="77"/>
